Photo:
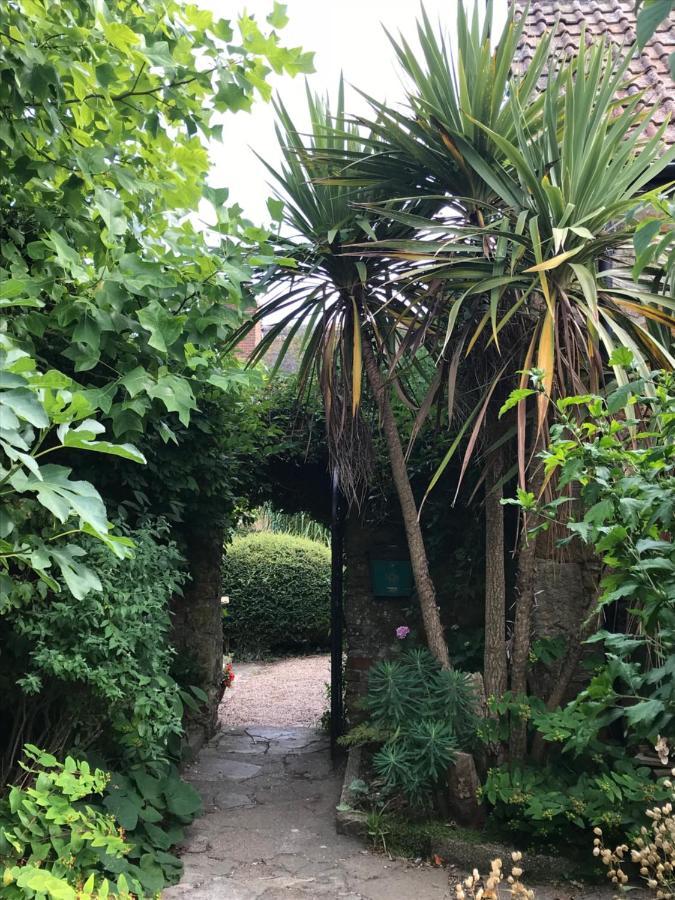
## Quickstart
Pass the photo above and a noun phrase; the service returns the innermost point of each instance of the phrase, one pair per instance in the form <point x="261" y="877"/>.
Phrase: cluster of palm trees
<point x="488" y="225"/>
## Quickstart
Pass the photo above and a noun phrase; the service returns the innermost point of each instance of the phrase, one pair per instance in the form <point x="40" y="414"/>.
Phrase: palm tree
<point x="529" y="263"/>
<point x="344" y="304"/>
<point x="450" y="96"/>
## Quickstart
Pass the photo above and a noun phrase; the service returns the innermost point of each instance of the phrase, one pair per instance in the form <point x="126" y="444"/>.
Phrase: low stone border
<point x="462" y="852"/>
<point x="347" y="819"/>
<point x="468" y="855"/>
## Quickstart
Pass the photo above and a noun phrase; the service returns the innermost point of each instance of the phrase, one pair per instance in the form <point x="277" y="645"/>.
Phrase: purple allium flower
<point x="402" y="632"/>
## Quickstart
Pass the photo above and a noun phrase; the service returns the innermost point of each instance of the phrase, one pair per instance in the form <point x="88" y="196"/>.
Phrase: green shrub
<point x="100" y="667"/>
<point x="421" y="715"/>
<point x="279" y="590"/>
<point x="52" y="839"/>
<point x="622" y="469"/>
<point x="70" y="830"/>
<point x="153" y="811"/>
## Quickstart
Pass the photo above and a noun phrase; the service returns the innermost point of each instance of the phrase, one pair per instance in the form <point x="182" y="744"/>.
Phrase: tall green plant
<point x="331" y="294"/>
<point x="537" y="280"/>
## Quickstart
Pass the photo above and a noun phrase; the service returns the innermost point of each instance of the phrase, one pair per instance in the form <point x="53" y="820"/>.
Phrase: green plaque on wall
<point x="391" y="577"/>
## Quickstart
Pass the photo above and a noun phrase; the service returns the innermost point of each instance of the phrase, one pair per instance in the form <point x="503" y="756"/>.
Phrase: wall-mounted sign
<point x="391" y="576"/>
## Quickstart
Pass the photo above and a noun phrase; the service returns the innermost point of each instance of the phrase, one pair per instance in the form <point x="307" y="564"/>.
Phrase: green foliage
<point x="266" y="518"/>
<point x="99" y="667"/>
<point x="205" y="479"/>
<point x="565" y="799"/>
<point x="103" y="155"/>
<point x="279" y="590"/>
<point x="624" y="468"/>
<point x="70" y="831"/>
<point x="53" y="840"/>
<point x="153" y="810"/>
<point x="428" y="712"/>
<point x="365" y="733"/>
<point x="650" y="15"/>
<point x="617" y="454"/>
<point x="552" y="181"/>
<point x="117" y="305"/>
<point x="104" y="276"/>
<point x="293" y="471"/>
<point x="43" y="413"/>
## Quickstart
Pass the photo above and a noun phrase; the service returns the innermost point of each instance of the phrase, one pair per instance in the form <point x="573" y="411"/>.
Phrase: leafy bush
<point x="424" y="714"/>
<point x="53" y="841"/>
<point x="152" y="810"/>
<point x="552" y="801"/>
<point x="69" y="831"/>
<point x="100" y="668"/>
<point x="279" y="589"/>
<point x="617" y="454"/>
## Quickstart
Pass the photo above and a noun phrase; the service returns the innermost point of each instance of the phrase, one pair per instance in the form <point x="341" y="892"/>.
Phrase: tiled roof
<point x="614" y="19"/>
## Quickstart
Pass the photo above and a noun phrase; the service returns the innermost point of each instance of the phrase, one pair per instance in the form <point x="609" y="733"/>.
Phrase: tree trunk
<point x="426" y="591"/>
<point x="494" y="666"/>
<point x="523" y="625"/>
<point x="570" y="666"/>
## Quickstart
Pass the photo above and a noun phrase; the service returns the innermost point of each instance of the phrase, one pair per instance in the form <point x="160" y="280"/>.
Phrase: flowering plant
<point x="228" y="675"/>
<point x="477" y="887"/>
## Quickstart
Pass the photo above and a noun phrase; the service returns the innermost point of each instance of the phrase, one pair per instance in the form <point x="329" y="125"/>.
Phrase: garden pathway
<point x="268" y="829"/>
<point x="268" y="832"/>
<point x="283" y="692"/>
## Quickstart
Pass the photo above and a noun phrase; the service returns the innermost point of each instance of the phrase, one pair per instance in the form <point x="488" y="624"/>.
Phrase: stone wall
<point x="371" y="622"/>
<point x="198" y="629"/>
<point x="563" y="592"/>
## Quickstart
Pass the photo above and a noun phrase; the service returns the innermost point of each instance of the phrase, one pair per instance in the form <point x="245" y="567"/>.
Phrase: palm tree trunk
<point x="570" y="666"/>
<point x="426" y="591"/>
<point x="522" y="628"/>
<point x="494" y="665"/>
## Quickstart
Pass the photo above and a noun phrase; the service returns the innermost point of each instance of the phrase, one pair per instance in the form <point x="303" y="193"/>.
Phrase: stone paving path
<point x="268" y="830"/>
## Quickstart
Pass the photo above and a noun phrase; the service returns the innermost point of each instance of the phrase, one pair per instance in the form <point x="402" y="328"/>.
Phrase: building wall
<point x="370" y="622"/>
<point x="250" y="342"/>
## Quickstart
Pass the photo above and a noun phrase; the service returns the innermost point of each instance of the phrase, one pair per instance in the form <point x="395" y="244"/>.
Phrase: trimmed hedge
<point x="279" y="590"/>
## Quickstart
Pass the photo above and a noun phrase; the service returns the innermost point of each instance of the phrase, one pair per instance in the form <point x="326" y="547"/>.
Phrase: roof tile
<point x="616" y="20"/>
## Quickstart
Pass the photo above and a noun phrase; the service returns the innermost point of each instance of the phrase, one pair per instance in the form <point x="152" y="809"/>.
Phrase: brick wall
<point x="250" y="342"/>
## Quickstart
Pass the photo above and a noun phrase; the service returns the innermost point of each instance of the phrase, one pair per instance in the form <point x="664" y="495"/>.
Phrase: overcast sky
<point x="346" y="36"/>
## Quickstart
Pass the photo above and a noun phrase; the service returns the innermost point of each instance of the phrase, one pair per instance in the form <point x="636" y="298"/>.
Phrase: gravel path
<point x="287" y="692"/>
